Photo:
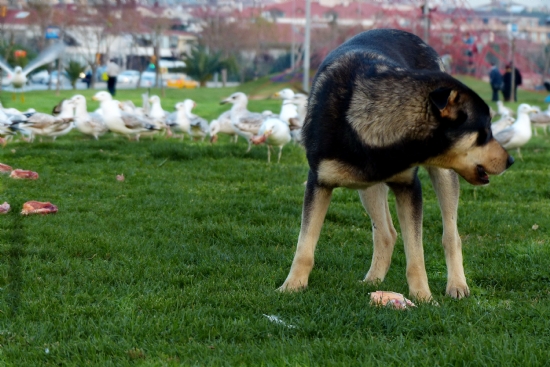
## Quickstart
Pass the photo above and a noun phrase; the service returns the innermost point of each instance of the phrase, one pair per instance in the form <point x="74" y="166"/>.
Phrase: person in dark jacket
<point x="88" y="78"/>
<point x="507" y="83"/>
<point x="495" y="79"/>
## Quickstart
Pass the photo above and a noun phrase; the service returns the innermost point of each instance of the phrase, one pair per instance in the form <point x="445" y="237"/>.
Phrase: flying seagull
<point x="19" y="74"/>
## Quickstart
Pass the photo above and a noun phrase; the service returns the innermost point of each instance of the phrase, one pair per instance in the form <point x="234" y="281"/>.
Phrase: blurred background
<point x="193" y="43"/>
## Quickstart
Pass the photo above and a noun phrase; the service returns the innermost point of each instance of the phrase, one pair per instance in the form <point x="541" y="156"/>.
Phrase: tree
<point x="234" y="34"/>
<point x="73" y="72"/>
<point x="96" y="26"/>
<point x="41" y="16"/>
<point x="201" y="65"/>
<point x="157" y="27"/>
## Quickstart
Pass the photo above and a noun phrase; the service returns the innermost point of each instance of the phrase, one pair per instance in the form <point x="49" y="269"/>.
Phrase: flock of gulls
<point x="514" y="132"/>
<point x="124" y="118"/>
<point x="274" y="130"/>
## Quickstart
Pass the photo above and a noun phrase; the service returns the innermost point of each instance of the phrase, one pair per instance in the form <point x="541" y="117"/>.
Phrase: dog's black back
<point x="383" y="77"/>
<point x="400" y="48"/>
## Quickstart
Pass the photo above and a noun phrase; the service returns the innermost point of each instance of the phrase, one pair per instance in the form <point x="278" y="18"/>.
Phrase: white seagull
<point x="156" y="113"/>
<point x="285" y="94"/>
<point x="121" y="122"/>
<point x="198" y="127"/>
<point x="273" y="132"/>
<point x="156" y="116"/>
<point x="540" y="119"/>
<point x="178" y="120"/>
<point x="45" y="125"/>
<point x="501" y="124"/>
<point x="503" y="110"/>
<point x="10" y="111"/>
<point x="300" y="100"/>
<point x="222" y="125"/>
<point x="289" y="110"/>
<point x="87" y="123"/>
<point x="19" y="74"/>
<point x="65" y="111"/>
<point x="244" y="122"/>
<point x="519" y="133"/>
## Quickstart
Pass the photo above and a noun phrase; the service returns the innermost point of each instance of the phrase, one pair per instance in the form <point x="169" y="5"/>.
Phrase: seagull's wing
<point x="225" y="118"/>
<point x="59" y="126"/>
<point x="505" y="135"/>
<point x="4" y="65"/>
<point x="205" y="125"/>
<point x="294" y="123"/>
<point x="132" y="121"/>
<point x="540" y="118"/>
<point x="48" y="55"/>
<point x="40" y="120"/>
<point x="171" y="119"/>
<point x="130" y="105"/>
<point x="96" y="121"/>
<point x="250" y="123"/>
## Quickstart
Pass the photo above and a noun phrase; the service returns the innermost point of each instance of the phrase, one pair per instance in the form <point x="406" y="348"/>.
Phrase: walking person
<point x="112" y="72"/>
<point x="507" y="83"/>
<point x="88" y="78"/>
<point x="495" y="79"/>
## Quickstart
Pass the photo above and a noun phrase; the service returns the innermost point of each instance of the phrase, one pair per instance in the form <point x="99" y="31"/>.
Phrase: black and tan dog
<point x="380" y="106"/>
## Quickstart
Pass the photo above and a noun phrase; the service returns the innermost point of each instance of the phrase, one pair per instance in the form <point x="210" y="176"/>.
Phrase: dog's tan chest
<point x="334" y="173"/>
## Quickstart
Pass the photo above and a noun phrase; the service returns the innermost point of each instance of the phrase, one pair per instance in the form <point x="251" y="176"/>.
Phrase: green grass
<point x="178" y="264"/>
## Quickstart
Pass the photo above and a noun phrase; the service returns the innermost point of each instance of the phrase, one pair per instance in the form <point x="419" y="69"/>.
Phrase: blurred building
<point x="138" y="33"/>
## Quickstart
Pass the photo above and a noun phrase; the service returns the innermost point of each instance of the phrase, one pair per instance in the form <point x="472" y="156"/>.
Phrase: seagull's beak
<point x="268" y="132"/>
<point x="277" y="95"/>
<point x="224" y="101"/>
<point x="213" y="139"/>
<point x="94" y="98"/>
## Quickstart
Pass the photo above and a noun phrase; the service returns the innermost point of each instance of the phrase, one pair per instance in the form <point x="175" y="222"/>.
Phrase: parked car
<point x="128" y="77"/>
<point x="54" y="76"/>
<point x="6" y="78"/>
<point x="40" y="77"/>
<point x="147" y="79"/>
<point x="182" y="83"/>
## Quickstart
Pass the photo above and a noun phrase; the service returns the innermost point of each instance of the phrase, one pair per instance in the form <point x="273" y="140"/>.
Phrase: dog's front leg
<point x="409" y="211"/>
<point x="316" y="202"/>
<point x="447" y="188"/>
<point x="375" y="202"/>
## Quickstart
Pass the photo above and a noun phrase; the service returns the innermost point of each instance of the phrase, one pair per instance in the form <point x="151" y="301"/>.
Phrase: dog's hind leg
<point x="409" y="211"/>
<point x="316" y="202"/>
<point x="375" y="202"/>
<point x="447" y="188"/>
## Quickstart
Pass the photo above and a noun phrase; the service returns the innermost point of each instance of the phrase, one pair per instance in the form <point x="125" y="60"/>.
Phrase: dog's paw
<point x="372" y="279"/>
<point x="458" y="291"/>
<point x="421" y="296"/>
<point x="292" y="286"/>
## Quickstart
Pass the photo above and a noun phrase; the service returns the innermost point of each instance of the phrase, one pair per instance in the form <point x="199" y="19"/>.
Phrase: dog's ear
<point x="445" y="99"/>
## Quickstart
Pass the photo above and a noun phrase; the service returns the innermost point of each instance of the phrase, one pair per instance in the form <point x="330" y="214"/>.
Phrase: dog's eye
<point x="483" y="136"/>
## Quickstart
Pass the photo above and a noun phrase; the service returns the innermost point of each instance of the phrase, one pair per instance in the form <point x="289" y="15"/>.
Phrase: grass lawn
<point x="178" y="264"/>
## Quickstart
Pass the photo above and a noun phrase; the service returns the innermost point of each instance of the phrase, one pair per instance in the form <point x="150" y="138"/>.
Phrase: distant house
<point x="88" y="41"/>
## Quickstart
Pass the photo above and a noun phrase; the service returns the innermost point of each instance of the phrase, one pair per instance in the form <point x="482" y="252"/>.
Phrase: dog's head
<point x="464" y="120"/>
